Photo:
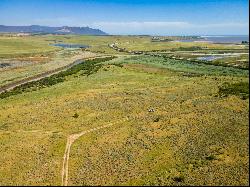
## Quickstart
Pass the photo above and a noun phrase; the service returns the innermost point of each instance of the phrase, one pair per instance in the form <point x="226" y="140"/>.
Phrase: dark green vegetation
<point x="193" y="69"/>
<point x="87" y="67"/>
<point x="240" y="62"/>
<point x="219" y="62"/>
<point x="75" y="115"/>
<point x="186" y="66"/>
<point x="240" y="89"/>
<point x="193" y="48"/>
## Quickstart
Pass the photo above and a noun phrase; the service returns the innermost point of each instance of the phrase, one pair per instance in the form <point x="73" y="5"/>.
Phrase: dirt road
<point x="70" y="141"/>
<point x="43" y="75"/>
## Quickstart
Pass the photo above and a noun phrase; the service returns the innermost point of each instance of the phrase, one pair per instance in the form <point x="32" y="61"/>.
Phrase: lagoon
<point x="70" y="45"/>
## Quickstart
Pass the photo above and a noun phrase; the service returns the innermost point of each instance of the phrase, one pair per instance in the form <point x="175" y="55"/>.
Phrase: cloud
<point x="221" y="25"/>
<point x="138" y="27"/>
<point x="140" y="24"/>
<point x="150" y="27"/>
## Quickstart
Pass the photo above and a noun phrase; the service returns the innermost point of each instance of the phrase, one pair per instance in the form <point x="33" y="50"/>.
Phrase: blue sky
<point x="156" y="17"/>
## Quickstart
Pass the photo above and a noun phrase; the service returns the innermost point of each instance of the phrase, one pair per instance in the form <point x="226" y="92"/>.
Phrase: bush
<point x="88" y="67"/>
<point x="193" y="48"/>
<point x="240" y="89"/>
<point x="178" y="179"/>
<point x="157" y="119"/>
<point x="210" y="157"/>
<point x="75" y="115"/>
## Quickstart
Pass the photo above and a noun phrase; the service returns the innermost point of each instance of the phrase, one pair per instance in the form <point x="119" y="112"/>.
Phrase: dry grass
<point x="191" y="138"/>
<point x="177" y="130"/>
<point x="27" y="67"/>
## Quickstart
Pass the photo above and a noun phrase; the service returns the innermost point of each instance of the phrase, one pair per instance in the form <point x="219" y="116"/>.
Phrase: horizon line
<point x="28" y="25"/>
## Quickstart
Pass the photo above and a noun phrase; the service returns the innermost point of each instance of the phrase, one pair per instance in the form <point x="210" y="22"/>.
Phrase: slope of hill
<point x="51" y="30"/>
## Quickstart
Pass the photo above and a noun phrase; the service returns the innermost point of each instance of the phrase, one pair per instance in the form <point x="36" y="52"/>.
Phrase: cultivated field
<point x="125" y="119"/>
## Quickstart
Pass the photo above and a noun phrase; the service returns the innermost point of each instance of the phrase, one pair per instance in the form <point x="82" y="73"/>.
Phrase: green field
<point x="23" y="46"/>
<point x="30" y="55"/>
<point x="174" y="122"/>
<point x="11" y="46"/>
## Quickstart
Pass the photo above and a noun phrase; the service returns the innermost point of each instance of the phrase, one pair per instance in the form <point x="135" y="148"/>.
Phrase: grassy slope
<point x="16" y="46"/>
<point x="38" y="46"/>
<point x="59" y="59"/>
<point x="186" y="66"/>
<point x="23" y="46"/>
<point x="193" y="136"/>
<point x="13" y="48"/>
<point x="145" y="44"/>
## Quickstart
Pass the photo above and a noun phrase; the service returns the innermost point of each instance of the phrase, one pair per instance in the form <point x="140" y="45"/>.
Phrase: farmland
<point x="174" y="121"/>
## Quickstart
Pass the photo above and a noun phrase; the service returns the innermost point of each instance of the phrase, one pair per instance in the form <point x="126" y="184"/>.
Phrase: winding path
<point x="70" y="141"/>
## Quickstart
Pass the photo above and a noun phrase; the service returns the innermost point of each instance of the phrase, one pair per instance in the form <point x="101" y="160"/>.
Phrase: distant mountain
<point x="51" y="30"/>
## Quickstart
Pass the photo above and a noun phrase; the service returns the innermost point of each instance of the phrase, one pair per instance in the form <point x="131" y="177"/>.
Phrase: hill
<point x="51" y="30"/>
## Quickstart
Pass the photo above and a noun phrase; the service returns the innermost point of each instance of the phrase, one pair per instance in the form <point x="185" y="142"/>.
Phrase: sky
<point x="153" y="17"/>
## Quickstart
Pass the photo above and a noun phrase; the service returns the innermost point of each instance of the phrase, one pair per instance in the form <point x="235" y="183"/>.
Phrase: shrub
<point x="240" y="89"/>
<point x="157" y="119"/>
<point x="210" y="157"/>
<point x="179" y="179"/>
<point x="75" y="115"/>
<point x="88" y="67"/>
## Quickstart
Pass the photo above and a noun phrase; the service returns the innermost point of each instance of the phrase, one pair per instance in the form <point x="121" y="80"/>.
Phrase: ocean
<point x="219" y="39"/>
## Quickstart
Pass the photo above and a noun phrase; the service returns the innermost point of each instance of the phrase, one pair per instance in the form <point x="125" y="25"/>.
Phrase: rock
<point x="151" y="110"/>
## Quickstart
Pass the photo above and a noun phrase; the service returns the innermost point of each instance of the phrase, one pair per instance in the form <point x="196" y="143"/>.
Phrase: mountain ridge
<point x="51" y="30"/>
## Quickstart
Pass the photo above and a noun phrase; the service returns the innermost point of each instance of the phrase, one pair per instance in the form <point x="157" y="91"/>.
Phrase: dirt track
<point x="70" y="141"/>
<point x="43" y="75"/>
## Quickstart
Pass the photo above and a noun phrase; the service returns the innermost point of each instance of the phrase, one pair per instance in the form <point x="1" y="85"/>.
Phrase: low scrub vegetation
<point x="168" y="127"/>
<point x="87" y="67"/>
<point x="192" y="48"/>
<point x="240" y="89"/>
<point x="186" y="66"/>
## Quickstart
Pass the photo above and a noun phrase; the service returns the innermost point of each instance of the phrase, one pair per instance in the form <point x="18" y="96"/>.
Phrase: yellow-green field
<point x="17" y="46"/>
<point x="173" y="123"/>
<point x="21" y="68"/>
<point x="30" y="55"/>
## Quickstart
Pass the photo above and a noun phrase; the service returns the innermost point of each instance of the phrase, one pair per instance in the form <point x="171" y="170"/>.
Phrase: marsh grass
<point x="186" y="66"/>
